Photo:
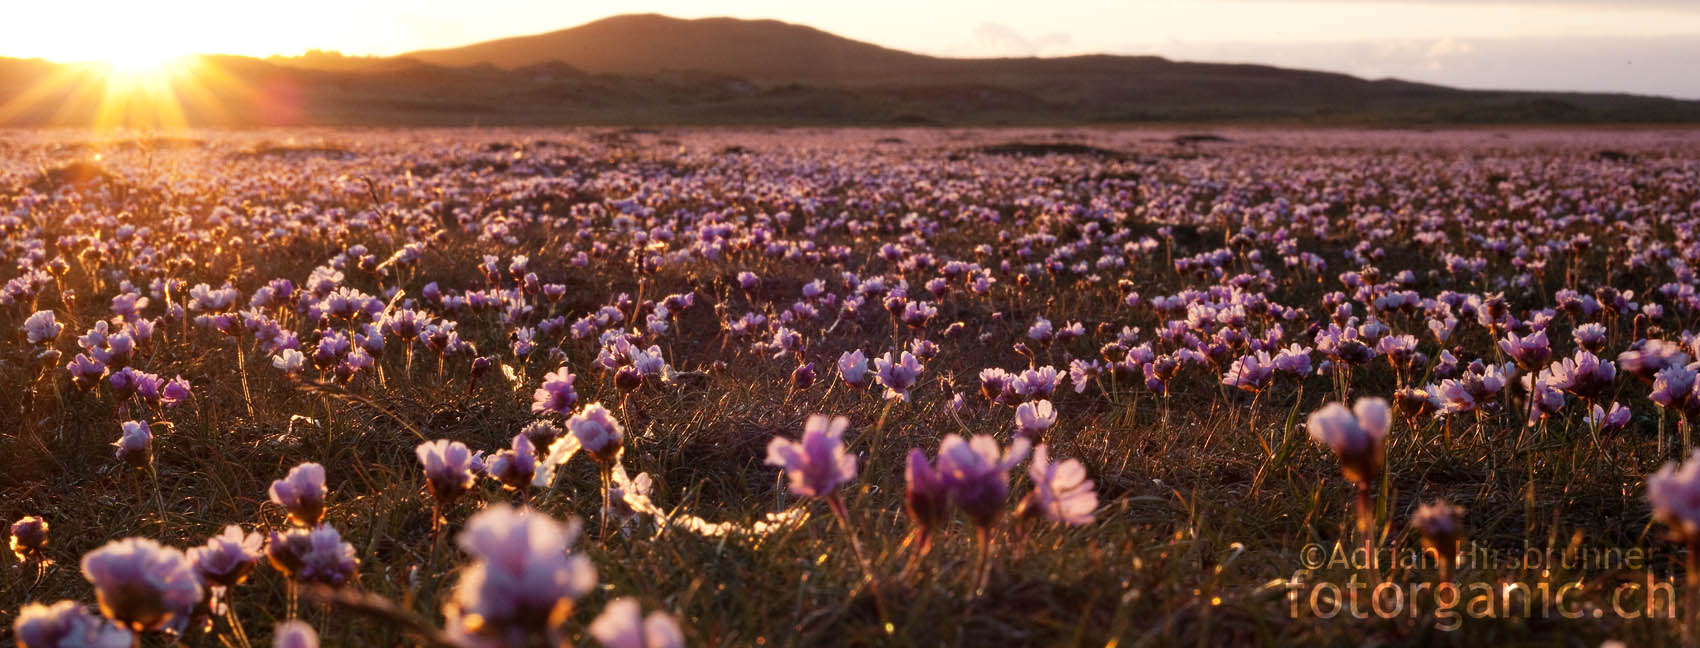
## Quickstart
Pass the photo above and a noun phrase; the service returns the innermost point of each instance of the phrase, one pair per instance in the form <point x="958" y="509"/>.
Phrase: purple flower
<point x="621" y="625"/>
<point x="1293" y="361"/>
<point x="66" y="624"/>
<point x="556" y="395"/>
<point x="1612" y="420"/>
<point x="524" y="581"/>
<point x="1673" y="388"/>
<point x="29" y="538"/>
<point x="135" y="447"/>
<point x="294" y="634"/>
<point x="817" y="464"/>
<point x="995" y="384"/>
<point x="40" y="327"/>
<point x="227" y="558"/>
<point x="598" y="433"/>
<point x="898" y="376"/>
<point x="977" y="476"/>
<point x="316" y="556"/>
<point x="1060" y="490"/>
<point x="1674" y="493"/>
<point x="1357" y="435"/>
<point x="515" y="467"/>
<point x="1441" y="525"/>
<point x="142" y="585"/>
<point x="925" y="498"/>
<point x="1583" y="374"/>
<point x="853" y="367"/>
<point x="302" y="494"/>
<point x="1032" y="419"/>
<point x="448" y="469"/>
<point x="1250" y="372"/>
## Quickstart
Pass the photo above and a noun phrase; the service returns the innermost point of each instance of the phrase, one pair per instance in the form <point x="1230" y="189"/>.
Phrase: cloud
<point x="1640" y="65"/>
<point x="994" y="39"/>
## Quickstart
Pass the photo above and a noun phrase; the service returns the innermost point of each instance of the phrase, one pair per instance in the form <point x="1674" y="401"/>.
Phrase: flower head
<point x="142" y="585"/>
<point x="227" y="558"/>
<point x="556" y="395"/>
<point x="817" y="464"/>
<point x="524" y="581"/>
<point x="40" y="327"/>
<point x="598" y="433"/>
<point x="294" y="634"/>
<point x="29" y="539"/>
<point x="853" y="367"/>
<point x="1357" y="436"/>
<point x="302" y="494"/>
<point x="1061" y="490"/>
<point x="515" y="467"/>
<point x="448" y="469"/>
<point x="1674" y="493"/>
<point x="1032" y="419"/>
<point x="316" y="556"/>
<point x="898" y="376"/>
<point x="977" y="474"/>
<point x="135" y="447"/>
<point x="621" y="625"/>
<point x="66" y="624"/>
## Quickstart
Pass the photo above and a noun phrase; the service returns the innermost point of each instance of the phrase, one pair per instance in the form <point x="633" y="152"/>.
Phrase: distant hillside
<point x="647" y="44"/>
<point x="650" y="69"/>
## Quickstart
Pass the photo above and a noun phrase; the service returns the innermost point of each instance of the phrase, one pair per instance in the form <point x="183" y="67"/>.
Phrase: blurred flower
<point x="621" y="626"/>
<point x="817" y="464"/>
<point x="29" y="539"/>
<point x="66" y="624"/>
<point x="925" y="497"/>
<point x="977" y="475"/>
<point x="522" y="586"/>
<point x="294" y="634"/>
<point x="1061" y="490"/>
<point x="1358" y="436"/>
<point x="1674" y="492"/>
<point x="142" y="585"/>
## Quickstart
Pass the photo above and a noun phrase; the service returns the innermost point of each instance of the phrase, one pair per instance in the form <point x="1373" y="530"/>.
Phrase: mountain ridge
<point x="649" y="69"/>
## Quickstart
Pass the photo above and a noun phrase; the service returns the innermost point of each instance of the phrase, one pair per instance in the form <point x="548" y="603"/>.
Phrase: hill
<point x="650" y="69"/>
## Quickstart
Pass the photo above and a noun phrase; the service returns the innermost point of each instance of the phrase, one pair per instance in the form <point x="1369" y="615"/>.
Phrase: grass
<point x="1188" y="546"/>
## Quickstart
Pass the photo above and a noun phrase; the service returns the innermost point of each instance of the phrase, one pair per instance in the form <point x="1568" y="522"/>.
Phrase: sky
<point x="1639" y="46"/>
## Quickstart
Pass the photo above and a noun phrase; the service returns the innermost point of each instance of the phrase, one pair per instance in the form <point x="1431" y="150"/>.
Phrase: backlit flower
<point x="817" y="464"/>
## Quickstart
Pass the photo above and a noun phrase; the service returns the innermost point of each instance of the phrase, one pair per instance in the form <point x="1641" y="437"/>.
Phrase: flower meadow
<point x="655" y="388"/>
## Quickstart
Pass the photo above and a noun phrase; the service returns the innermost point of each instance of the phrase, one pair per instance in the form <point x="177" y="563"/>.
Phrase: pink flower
<point x="1060" y="490"/>
<point x="621" y="626"/>
<point x="977" y="476"/>
<point x="1358" y="435"/>
<point x="817" y="464"/>
<point x="1034" y="418"/>
<point x="302" y="493"/>
<point x="1674" y="493"/>
<point x="597" y="432"/>
<point x="66" y="624"/>
<point x="143" y="585"/>
<point x="448" y="468"/>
